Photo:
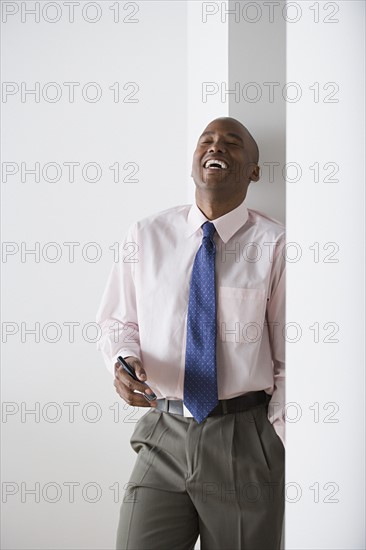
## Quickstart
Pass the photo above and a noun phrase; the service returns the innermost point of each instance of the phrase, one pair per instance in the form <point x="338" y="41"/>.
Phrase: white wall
<point x="169" y="53"/>
<point x="208" y="54"/>
<point x="257" y="75"/>
<point x="325" y="368"/>
<point x="151" y="133"/>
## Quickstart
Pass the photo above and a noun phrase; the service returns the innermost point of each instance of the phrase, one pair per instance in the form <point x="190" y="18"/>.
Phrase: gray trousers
<point x="222" y="479"/>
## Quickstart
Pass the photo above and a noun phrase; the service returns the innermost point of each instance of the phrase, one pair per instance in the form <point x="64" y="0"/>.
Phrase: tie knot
<point x="208" y="229"/>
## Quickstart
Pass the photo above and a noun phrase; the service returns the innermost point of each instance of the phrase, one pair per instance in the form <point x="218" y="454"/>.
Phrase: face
<point x="224" y="159"/>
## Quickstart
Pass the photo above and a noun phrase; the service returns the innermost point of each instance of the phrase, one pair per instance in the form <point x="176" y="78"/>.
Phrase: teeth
<point x="221" y="163"/>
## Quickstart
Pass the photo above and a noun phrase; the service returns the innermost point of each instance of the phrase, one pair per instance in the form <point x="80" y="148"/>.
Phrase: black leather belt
<point x="225" y="406"/>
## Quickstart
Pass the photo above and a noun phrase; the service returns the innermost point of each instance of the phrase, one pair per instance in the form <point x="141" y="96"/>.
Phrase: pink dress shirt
<point x="143" y="311"/>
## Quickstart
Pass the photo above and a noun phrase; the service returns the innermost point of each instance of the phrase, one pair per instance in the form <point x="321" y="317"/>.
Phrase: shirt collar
<point x="226" y="225"/>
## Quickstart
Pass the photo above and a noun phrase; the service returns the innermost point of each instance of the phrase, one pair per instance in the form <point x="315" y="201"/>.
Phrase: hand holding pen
<point x="130" y="382"/>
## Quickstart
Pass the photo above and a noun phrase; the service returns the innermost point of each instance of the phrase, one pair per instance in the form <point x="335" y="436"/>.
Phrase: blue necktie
<point x="200" y="379"/>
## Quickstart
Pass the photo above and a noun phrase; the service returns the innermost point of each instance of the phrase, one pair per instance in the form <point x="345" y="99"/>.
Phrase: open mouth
<point x="215" y="164"/>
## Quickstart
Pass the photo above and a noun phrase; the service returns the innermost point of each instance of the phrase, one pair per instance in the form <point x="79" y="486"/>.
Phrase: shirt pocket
<point x="240" y="314"/>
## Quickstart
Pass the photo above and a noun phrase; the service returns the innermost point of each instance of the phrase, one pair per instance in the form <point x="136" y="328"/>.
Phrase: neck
<point x="213" y="207"/>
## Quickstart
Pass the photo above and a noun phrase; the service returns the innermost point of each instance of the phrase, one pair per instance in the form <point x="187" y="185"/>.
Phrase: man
<point x="197" y="309"/>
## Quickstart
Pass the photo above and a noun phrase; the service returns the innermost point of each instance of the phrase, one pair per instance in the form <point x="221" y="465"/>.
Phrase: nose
<point x="217" y="146"/>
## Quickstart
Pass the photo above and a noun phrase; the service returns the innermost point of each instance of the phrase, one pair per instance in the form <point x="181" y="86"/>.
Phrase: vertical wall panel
<point x="325" y="279"/>
<point x="254" y="93"/>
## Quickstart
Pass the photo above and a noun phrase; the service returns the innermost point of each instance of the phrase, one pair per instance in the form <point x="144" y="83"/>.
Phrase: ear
<point x="256" y="173"/>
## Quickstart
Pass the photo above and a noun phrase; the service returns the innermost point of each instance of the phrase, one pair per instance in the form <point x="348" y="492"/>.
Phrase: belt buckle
<point x="175" y="406"/>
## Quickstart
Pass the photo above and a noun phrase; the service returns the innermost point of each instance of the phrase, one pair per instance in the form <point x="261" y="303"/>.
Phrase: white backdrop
<point x="64" y="465"/>
<point x="325" y="219"/>
<point x="92" y="451"/>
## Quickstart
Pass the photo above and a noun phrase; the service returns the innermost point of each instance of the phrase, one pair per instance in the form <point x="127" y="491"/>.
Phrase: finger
<point x="128" y="381"/>
<point x="131" y="398"/>
<point x="137" y="366"/>
<point x="140" y="372"/>
<point x="152" y="403"/>
<point x="148" y="390"/>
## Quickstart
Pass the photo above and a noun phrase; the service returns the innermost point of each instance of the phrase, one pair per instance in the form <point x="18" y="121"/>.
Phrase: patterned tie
<point x="200" y="380"/>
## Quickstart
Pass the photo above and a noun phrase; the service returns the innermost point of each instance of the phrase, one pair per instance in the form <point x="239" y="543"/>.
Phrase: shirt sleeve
<point x="117" y="314"/>
<point x="276" y="324"/>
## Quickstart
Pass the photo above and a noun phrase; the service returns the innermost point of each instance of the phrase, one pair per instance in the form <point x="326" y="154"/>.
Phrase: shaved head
<point x="249" y="140"/>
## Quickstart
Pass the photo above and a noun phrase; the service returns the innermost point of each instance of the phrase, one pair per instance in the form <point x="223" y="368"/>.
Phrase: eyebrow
<point x="229" y="134"/>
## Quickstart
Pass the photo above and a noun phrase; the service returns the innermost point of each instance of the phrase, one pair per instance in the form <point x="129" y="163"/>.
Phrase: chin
<point x="214" y="181"/>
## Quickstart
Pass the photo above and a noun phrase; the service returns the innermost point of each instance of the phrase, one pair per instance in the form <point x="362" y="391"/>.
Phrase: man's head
<point x="226" y="141"/>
